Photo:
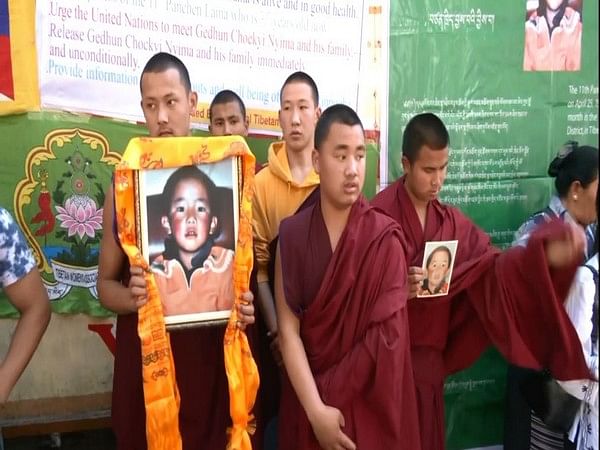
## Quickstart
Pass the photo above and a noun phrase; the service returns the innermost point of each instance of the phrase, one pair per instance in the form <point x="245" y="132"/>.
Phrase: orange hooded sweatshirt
<point x="276" y="196"/>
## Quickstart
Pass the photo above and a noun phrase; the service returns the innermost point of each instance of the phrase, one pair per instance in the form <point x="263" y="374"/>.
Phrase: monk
<point x="167" y="103"/>
<point x="512" y="300"/>
<point x="284" y="186"/>
<point x="340" y="289"/>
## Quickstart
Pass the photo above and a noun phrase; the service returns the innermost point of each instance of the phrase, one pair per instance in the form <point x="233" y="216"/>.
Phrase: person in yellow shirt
<point x="282" y="187"/>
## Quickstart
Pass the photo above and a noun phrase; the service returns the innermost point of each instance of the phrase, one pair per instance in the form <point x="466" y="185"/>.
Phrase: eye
<point x="233" y="121"/>
<point x="341" y="157"/>
<point x="179" y="209"/>
<point x="171" y="102"/>
<point x="201" y="209"/>
<point x="150" y="105"/>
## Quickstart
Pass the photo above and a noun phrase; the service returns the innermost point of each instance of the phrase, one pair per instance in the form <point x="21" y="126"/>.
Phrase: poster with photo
<point x="437" y="266"/>
<point x="189" y="224"/>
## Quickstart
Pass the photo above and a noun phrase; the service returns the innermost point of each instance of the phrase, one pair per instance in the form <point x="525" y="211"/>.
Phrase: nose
<point x="190" y="216"/>
<point x="163" y="117"/>
<point x="227" y="129"/>
<point x="352" y="167"/>
<point x="295" y="116"/>
<point x="437" y="179"/>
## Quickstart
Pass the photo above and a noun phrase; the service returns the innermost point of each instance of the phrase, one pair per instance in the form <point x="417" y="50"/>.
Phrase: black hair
<point x="438" y="249"/>
<point x="301" y="77"/>
<point x="227" y="96"/>
<point x="161" y="62"/>
<point x="424" y="129"/>
<point x="541" y="12"/>
<point x="184" y="173"/>
<point x="334" y="114"/>
<point x="573" y="163"/>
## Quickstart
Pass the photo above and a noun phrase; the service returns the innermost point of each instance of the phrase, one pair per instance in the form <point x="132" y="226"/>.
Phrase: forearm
<point x="266" y="303"/>
<point x="114" y="296"/>
<point x="299" y="373"/>
<point x="27" y="335"/>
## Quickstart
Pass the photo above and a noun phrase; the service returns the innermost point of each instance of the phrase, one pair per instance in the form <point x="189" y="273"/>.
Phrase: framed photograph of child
<point x="188" y="221"/>
<point x="438" y="261"/>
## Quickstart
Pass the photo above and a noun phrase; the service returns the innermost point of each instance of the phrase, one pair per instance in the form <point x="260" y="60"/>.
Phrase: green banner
<point x="55" y="170"/>
<point x="507" y="114"/>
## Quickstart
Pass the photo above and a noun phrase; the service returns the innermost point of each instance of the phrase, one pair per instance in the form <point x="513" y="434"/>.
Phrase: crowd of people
<point x="349" y="355"/>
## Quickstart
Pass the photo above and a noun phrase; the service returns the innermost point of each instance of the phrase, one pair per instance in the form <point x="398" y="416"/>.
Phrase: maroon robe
<point x="201" y="379"/>
<point x="509" y="299"/>
<point x="353" y="322"/>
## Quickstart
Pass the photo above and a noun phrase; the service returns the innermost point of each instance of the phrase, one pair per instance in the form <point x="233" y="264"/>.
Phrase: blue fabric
<point x="16" y="259"/>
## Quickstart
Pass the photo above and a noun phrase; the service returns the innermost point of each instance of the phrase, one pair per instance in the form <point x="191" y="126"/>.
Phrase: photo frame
<point x="438" y="262"/>
<point x="188" y="222"/>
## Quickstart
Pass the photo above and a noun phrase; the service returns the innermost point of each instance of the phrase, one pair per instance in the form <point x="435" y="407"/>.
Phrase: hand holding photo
<point x="437" y="266"/>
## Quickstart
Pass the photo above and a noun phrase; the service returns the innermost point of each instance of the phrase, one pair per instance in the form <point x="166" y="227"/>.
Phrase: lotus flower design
<point x="80" y="216"/>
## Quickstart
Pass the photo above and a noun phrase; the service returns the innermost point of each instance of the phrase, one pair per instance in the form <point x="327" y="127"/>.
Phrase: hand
<point x="137" y="288"/>
<point x="416" y="275"/>
<point x="327" y="425"/>
<point x="246" y="310"/>
<point x="568" y="250"/>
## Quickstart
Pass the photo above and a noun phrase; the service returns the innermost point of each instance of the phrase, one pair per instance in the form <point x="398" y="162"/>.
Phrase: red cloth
<point x="353" y="323"/>
<point x="201" y="379"/>
<point x="509" y="299"/>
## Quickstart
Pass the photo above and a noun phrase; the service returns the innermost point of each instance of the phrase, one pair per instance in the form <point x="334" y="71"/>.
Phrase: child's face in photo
<point x="191" y="219"/>
<point x="438" y="267"/>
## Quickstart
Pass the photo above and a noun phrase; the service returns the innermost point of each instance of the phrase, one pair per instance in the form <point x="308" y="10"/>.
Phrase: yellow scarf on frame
<point x="158" y="370"/>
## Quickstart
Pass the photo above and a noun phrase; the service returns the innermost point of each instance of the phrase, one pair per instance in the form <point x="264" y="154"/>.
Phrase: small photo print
<point x="438" y="262"/>
<point x="189" y="222"/>
<point x="553" y="30"/>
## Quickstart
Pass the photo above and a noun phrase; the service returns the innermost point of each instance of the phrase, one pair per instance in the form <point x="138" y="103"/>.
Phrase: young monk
<point x="511" y="299"/>
<point x="167" y="104"/>
<point x="340" y="288"/>
<point x="287" y="184"/>
<point x="227" y="115"/>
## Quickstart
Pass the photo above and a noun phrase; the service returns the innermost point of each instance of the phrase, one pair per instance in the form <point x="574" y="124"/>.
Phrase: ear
<point x="575" y="188"/>
<point x="317" y="113"/>
<point x="246" y="125"/>
<point x="213" y="225"/>
<point x="210" y="129"/>
<point x="193" y="100"/>
<point x="315" y="160"/>
<point x="405" y="165"/>
<point x="164" y="221"/>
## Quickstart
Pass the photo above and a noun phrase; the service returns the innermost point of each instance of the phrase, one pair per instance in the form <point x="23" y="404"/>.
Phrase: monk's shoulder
<point x="385" y="197"/>
<point x="296" y="222"/>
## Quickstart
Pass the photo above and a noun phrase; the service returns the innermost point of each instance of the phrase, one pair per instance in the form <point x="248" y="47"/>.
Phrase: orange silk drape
<point x="160" y="389"/>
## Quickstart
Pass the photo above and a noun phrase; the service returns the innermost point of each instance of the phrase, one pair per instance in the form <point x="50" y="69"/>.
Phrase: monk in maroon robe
<point x="167" y="104"/>
<point x="340" y="289"/>
<point x="512" y="300"/>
